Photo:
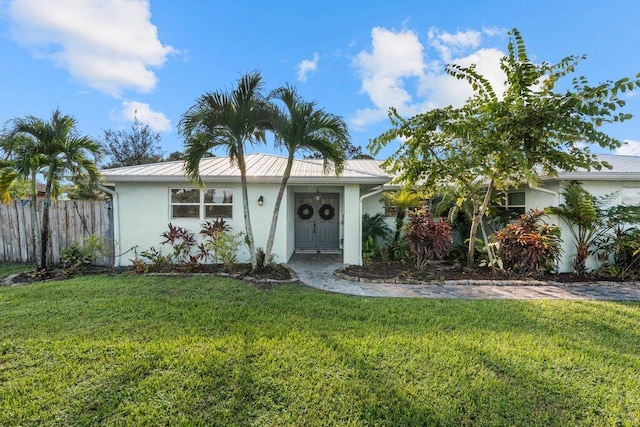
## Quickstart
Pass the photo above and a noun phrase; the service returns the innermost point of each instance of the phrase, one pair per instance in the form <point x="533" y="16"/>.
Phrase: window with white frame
<point x="516" y="202"/>
<point x="218" y="203"/>
<point x="631" y="196"/>
<point x="201" y="204"/>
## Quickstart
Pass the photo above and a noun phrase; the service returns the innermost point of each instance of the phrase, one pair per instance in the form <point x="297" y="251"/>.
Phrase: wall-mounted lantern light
<point x="260" y="201"/>
<point x="317" y="194"/>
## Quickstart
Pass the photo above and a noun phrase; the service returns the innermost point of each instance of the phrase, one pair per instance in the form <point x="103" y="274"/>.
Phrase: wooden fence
<point x="70" y="221"/>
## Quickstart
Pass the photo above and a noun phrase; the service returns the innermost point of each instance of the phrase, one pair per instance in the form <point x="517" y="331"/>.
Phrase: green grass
<point x="11" y="268"/>
<point x="131" y="350"/>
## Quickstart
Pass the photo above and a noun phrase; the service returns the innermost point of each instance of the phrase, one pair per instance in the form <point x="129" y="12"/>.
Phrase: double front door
<point x="317" y="221"/>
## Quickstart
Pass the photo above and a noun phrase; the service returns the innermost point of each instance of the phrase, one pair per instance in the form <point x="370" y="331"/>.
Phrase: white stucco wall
<point x="351" y="245"/>
<point x="144" y="212"/>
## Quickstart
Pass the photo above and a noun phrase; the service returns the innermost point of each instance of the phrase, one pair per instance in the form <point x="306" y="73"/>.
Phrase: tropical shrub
<point x="212" y="231"/>
<point x="428" y="238"/>
<point x="374" y="226"/>
<point x="529" y="245"/>
<point x="181" y="241"/>
<point x="619" y="253"/>
<point x="80" y="255"/>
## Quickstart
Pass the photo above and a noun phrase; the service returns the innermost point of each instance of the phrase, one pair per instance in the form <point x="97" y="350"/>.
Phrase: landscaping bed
<point x="438" y="272"/>
<point x="276" y="273"/>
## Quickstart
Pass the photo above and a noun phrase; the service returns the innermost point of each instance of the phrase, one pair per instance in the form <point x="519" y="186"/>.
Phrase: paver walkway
<point x="317" y="271"/>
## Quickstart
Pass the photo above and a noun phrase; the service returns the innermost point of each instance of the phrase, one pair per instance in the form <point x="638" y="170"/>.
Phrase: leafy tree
<point x="352" y="152"/>
<point x="228" y="120"/>
<point x="303" y="126"/>
<point x="500" y="142"/>
<point x="53" y="148"/>
<point x="138" y="146"/>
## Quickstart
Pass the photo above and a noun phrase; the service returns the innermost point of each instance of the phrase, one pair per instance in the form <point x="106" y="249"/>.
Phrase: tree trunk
<point x="45" y="220"/>
<point x="245" y="207"/>
<point x="471" y="250"/>
<point x="478" y="215"/>
<point x="276" y="209"/>
<point x="37" y="242"/>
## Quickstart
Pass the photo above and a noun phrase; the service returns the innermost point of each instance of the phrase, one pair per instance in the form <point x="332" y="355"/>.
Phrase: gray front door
<point x="316" y="221"/>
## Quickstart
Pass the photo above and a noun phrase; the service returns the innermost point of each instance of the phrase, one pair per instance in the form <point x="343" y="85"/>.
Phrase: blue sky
<point x="103" y="60"/>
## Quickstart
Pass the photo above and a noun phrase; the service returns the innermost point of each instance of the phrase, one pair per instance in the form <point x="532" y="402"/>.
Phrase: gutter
<point x="544" y="190"/>
<point x="116" y="222"/>
<point x="364" y="196"/>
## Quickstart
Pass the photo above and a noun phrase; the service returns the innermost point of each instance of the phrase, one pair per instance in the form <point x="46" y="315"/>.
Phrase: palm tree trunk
<point x="44" y="236"/>
<point x="37" y="242"/>
<point x="276" y="209"/>
<point x="45" y="216"/>
<point x="245" y="207"/>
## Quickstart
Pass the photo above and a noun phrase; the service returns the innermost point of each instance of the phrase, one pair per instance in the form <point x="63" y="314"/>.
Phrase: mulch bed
<point x="408" y="273"/>
<point x="264" y="276"/>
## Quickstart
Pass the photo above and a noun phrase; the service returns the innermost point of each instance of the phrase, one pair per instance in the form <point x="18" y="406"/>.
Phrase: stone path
<point x="317" y="271"/>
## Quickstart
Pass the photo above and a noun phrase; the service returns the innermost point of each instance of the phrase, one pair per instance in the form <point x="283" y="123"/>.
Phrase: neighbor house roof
<point x="622" y="168"/>
<point x="261" y="168"/>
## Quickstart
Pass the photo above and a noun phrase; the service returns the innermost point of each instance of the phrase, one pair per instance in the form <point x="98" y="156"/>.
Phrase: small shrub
<point x="75" y="257"/>
<point x="428" y="239"/>
<point x="529" y="245"/>
<point x="80" y="255"/>
<point x="261" y="258"/>
<point x="181" y="241"/>
<point x="623" y="248"/>
<point x="370" y="250"/>
<point x="226" y="246"/>
<point x="155" y="258"/>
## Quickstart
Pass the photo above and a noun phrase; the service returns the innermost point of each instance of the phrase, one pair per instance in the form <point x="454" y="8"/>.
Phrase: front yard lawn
<point x="137" y="350"/>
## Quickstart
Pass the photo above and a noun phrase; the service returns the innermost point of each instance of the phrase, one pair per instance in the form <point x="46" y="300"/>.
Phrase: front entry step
<point x="319" y="251"/>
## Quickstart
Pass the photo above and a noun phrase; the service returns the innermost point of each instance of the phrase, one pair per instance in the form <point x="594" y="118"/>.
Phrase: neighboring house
<point x="622" y="181"/>
<point x="319" y="212"/>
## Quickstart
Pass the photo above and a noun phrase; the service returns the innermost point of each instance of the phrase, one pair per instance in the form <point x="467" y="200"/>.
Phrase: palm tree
<point x="227" y="120"/>
<point x="304" y="127"/>
<point x="55" y="149"/>
<point x="584" y="215"/>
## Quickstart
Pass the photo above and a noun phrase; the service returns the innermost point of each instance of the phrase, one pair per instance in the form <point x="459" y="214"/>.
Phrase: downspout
<point x="116" y="224"/>
<point x="364" y="196"/>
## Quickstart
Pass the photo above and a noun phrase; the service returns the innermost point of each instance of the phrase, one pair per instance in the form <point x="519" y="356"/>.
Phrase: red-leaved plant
<point x="428" y="238"/>
<point x="529" y="245"/>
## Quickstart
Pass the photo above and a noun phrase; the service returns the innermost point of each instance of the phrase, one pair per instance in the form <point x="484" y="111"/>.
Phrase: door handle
<point x="314" y="227"/>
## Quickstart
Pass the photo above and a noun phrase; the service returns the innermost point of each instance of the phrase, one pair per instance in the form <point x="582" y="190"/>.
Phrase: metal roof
<point x="260" y="168"/>
<point x="622" y="168"/>
<point x="268" y="168"/>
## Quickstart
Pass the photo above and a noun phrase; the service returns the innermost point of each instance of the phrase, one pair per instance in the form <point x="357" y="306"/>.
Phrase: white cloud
<point x="307" y="66"/>
<point x="630" y="148"/>
<point x="448" y="44"/>
<point x="109" y="45"/>
<point x="395" y="72"/>
<point x="155" y="119"/>
<point x="394" y="58"/>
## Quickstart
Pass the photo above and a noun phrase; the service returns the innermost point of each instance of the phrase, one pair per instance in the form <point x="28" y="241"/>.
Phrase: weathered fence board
<point x="70" y="221"/>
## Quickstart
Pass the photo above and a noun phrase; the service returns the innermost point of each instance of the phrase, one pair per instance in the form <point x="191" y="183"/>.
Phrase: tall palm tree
<point x="304" y="127"/>
<point x="230" y="121"/>
<point x="55" y="149"/>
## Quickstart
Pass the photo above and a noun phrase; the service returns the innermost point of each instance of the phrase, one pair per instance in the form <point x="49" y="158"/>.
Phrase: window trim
<point x="202" y="206"/>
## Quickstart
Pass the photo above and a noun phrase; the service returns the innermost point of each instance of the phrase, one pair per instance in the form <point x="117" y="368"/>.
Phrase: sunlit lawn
<point x="166" y="351"/>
